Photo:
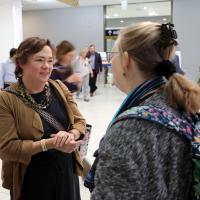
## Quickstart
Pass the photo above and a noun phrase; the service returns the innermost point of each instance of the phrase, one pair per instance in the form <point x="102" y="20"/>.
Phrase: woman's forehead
<point x="46" y="51"/>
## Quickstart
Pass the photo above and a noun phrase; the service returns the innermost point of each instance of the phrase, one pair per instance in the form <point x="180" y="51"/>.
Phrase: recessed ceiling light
<point x="164" y="19"/>
<point x="116" y="15"/>
<point x="122" y="21"/>
<point x="152" y="13"/>
<point x="144" y="7"/>
<point x="107" y="17"/>
<point x="156" y="14"/>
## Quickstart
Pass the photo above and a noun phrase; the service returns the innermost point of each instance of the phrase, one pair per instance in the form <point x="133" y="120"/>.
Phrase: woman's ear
<point x="125" y="60"/>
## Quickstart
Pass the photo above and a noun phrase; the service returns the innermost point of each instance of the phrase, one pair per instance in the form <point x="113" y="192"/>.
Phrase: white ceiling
<point x="52" y="4"/>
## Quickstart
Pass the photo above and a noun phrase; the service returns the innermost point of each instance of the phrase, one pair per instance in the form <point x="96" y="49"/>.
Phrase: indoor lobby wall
<point x="82" y="26"/>
<point x="10" y="26"/>
<point x="186" y="17"/>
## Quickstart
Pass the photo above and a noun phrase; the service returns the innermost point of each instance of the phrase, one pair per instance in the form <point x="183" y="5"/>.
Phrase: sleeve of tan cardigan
<point x="79" y="121"/>
<point x="11" y="147"/>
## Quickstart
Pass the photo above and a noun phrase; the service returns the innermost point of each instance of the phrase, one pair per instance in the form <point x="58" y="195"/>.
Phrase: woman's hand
<point x="65" y="142"/>
<point x="76" y="133"/>
<point x="70" y="147"/>
<point x="74" y="78"/>
<point x="62" y="137"/>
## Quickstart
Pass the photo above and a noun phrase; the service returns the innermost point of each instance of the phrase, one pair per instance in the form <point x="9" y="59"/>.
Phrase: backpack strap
<point x="184" y="127"/>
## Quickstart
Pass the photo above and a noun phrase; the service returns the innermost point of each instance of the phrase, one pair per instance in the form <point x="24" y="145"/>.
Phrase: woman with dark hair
<point x="40" y="130"/>
<point x="62" y="69"/>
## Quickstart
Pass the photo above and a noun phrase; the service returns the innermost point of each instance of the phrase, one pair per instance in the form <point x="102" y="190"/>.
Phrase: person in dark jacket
<point x="96" y="64"/>
<point x="140" y="159"/>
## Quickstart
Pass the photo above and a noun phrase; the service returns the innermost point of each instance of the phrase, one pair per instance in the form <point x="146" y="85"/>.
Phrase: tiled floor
<point x="98" y="112"/>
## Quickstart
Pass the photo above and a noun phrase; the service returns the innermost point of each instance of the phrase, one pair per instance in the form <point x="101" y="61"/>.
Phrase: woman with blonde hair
<point x="82" y="67"/>
<point x="141" y="157"/>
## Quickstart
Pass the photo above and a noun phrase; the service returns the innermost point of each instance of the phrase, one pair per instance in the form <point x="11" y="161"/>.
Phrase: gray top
<point x="141" y="160"/>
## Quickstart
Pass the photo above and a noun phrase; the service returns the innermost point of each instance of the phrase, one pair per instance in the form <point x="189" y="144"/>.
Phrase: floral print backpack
<point x="187" y="126"/>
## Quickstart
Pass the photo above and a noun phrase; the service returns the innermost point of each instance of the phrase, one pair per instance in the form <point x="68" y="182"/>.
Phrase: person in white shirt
<point x="82" y="66"/>
<point x="7" y="70"/>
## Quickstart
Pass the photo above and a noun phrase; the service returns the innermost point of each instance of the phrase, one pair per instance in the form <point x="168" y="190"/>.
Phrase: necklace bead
<point x="30" y="100"/>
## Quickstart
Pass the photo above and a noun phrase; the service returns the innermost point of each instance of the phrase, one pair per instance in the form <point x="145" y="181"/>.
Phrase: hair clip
<point x="168" y="33"/>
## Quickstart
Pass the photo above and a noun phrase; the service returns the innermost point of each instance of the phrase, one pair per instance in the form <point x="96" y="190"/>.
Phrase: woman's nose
<point x="46" y="64"/>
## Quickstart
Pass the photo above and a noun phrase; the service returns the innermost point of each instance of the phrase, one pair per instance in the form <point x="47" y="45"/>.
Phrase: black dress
<point x="50" y="175"/>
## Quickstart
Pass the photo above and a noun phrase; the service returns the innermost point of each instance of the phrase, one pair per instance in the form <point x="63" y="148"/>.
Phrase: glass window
<point x="118" y="16"/>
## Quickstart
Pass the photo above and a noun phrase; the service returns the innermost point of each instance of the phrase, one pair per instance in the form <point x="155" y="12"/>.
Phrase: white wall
<point x="10" y="26"/>
<point x="186" y="17"/>
<point x="82" y="26"/>
<point x="5" y="21"/>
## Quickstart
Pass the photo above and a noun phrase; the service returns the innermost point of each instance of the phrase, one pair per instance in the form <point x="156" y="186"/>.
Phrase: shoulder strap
<point x="45" y="115"/>
<point x="158" y="115"/>
<point x="188" y="130"/>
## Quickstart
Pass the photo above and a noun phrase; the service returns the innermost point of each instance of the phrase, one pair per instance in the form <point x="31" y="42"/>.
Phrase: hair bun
<point x="165" y="68"/>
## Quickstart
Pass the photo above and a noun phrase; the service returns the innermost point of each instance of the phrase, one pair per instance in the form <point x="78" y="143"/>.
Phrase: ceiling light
<point x="164" y="19"/>
<point x="122" y="21"/>
<point x="116" y="15"/>
<point x="107" y="17"/>
<point x="152" y="13"/>
<point x="144" y="7"/>
<point x="124" y="4"/>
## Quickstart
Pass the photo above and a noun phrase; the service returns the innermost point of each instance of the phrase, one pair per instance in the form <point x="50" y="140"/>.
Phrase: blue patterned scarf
<point x="135" y="96"/>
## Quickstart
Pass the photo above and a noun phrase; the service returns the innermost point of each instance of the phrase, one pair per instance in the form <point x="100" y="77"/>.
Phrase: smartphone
<point x="84" y="146"/>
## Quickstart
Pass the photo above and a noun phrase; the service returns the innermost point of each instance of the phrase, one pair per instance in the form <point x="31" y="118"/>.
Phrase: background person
<point x="62" y="69"/>
<point x="82" y="66"/>
<point x="7" y="70"/>
<point x="96" y="64"/>
<point x="176" y="62"/>
<point x="39" y="161"/>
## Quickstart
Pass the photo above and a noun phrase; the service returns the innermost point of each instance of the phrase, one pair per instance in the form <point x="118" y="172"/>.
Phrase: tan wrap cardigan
<point x="20" y="126"/>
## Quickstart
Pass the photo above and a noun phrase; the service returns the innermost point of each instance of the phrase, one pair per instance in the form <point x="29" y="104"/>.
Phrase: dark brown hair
<point x="63" y="48"/>
<point x="27" y="48"/>
<point x="12" y="52"/>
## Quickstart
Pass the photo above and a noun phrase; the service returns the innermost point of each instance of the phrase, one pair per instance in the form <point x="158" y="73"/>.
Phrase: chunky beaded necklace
<point x="28" y="99"/>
